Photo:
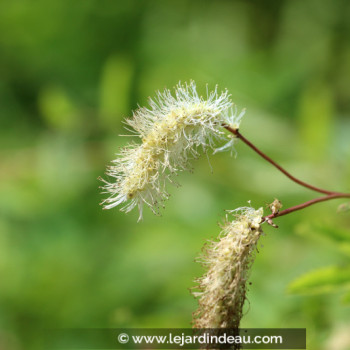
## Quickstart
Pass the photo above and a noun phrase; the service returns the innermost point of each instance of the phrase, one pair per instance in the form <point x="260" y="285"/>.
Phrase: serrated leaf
<point x="324" y="280"/>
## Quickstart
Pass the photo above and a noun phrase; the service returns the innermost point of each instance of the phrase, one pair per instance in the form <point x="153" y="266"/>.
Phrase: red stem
<point x="306" y="204"/>
<point x="268" y="218"/>
<point x="285" y="172"/>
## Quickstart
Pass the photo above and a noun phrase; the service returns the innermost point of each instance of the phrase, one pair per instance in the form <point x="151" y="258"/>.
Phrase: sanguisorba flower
<point x="172" y="131"/>
<point x="222" y="289"/>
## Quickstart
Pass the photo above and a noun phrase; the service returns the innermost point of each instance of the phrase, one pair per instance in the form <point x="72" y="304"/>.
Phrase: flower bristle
<point x="173" y="129"/>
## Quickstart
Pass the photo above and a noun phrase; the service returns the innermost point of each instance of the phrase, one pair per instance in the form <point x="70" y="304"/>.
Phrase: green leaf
<point x="324" y="280"/>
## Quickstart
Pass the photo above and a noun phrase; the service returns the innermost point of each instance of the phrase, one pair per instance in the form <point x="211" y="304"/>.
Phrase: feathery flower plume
<point x="172" y="130"/>
<point x="223" y="287"/>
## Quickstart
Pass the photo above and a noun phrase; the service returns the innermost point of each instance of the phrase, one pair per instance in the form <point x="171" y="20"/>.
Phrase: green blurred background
<point x="72" y="70"/>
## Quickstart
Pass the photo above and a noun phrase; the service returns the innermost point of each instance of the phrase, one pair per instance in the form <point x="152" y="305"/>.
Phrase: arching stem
<point x="268" y="218"/>
<point x="285" y="172"/>
<point x="329" y="194"/>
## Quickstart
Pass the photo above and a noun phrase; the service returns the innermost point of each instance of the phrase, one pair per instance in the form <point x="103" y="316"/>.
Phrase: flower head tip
<point x="172" y="131"/>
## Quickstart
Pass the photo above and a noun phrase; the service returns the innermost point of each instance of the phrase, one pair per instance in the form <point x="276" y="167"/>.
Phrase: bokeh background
<point x="72" y="70"/>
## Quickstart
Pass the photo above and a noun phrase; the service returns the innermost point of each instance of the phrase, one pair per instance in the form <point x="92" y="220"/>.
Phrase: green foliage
<point x="70" y="72"/>
<point x="330" y="279"/>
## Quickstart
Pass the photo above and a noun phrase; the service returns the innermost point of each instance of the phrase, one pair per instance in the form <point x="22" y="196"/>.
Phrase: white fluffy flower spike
<point x="172" y="130"/>
<point x="222" y="289"/>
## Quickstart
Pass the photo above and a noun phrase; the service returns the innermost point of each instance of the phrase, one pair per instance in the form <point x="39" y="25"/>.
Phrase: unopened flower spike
<point x="173" y="129"/>
<point x="222" y="289"/>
